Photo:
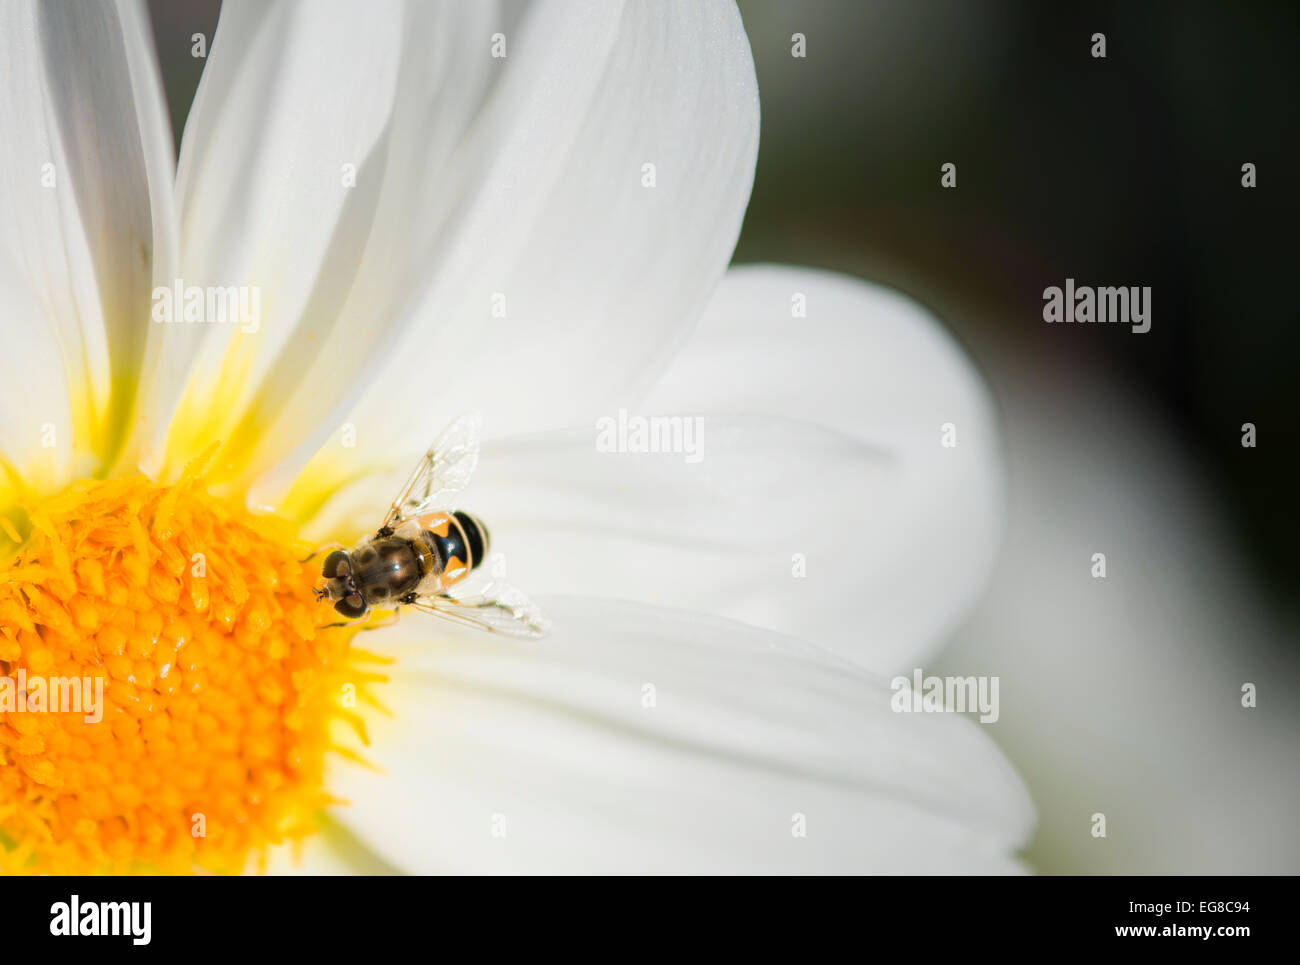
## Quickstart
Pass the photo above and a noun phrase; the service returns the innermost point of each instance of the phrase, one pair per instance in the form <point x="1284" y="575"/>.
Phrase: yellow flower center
<point x="220" y="689"/>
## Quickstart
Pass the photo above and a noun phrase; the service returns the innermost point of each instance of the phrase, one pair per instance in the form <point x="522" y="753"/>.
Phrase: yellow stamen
<point x="219" y="689"/>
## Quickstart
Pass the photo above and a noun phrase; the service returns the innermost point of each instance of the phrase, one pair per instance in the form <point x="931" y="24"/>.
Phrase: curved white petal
<point x="86" y="220"/>
<point x="917" y="546"/>
<point x="518" y="262"/>
<point x="293" y="92"/>
<point x="828" y="509"/>
<point x="1147" y="665"/>
<point x="759" y="529"/>
<point x="637" y="739"/>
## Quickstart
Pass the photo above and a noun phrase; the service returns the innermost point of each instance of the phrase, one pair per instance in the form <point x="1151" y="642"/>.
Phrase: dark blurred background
<point x="1122" y="171"/>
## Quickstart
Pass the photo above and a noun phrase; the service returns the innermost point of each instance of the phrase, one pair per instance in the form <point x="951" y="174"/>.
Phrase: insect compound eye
<point x="351" y="606"/>
<point x="336" y="564"/>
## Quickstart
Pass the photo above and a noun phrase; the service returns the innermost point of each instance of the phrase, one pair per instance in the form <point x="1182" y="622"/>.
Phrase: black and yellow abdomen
<point x="459" y="542"/>
<point x="476" y="537"/>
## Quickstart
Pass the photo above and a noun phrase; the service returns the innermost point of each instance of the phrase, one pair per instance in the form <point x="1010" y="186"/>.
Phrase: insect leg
<point x="327" y="546"/>
<point x="368" y="625"/>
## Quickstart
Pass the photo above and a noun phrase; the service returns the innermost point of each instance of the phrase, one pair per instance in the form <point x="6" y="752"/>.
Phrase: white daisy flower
<point x="528" y="211"/>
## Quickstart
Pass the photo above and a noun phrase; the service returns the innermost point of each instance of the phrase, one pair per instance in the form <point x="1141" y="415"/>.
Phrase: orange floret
<point x="219" y="691"/>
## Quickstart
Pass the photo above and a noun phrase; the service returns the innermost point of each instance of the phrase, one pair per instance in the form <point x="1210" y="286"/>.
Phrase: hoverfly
<point x="420" y="553"/>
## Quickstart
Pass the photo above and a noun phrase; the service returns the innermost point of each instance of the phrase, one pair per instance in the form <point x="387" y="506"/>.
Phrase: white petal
<point x="1147" y="665"/>
<point x="545" y="757"/>
<point x="918" y="542"/>
<point x="85" y="220"/>
<point x="836" y="472"/>
<point x="534" y="194"/>
<point x="290" y="94"/>
<point x="759" y="529"/>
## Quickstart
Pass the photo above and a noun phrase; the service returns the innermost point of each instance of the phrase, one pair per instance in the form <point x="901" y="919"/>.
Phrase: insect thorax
<point x="386" y="569"/>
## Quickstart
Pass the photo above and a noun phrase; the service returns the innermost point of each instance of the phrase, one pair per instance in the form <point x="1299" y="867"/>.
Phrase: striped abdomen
<point x="459" y="543"/>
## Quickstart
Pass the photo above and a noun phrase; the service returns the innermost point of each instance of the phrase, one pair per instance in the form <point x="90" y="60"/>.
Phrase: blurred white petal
<point x="638" y="739"/>
<point x="1122" y="695"/>
<point x="85" y="223"/>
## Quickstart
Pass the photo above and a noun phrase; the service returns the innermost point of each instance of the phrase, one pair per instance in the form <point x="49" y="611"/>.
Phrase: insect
<point x="419" y="553"/>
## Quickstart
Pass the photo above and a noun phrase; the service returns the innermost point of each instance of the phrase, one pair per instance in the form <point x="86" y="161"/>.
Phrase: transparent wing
<point x="441" y="472"/>
<point x="498" y="608"/>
